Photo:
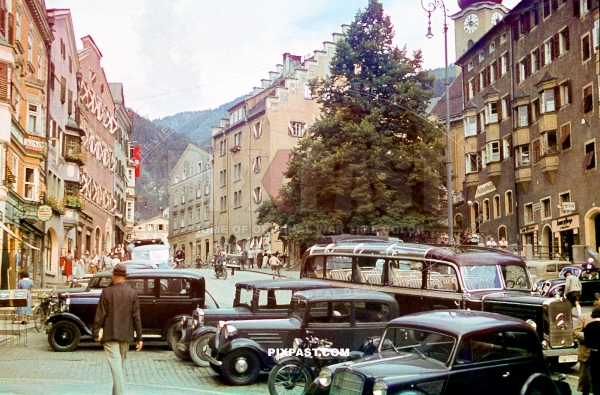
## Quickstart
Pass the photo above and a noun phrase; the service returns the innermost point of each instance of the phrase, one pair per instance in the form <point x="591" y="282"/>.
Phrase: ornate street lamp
<point x="431" y="7"/>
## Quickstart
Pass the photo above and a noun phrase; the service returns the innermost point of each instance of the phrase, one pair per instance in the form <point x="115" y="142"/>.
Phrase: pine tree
<point x="372" y="160"/>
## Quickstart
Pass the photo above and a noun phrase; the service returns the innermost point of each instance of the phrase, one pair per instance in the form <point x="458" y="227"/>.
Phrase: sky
<point x="190" y="55"/>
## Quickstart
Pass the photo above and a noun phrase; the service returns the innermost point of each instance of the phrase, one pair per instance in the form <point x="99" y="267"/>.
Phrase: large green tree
<point x="372" y="159"/>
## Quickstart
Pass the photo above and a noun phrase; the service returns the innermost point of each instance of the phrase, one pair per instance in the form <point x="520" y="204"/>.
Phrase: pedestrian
<point x="491" y="243"/>
<point x="251" y="257"/>
<point x="87" y="261"/>
<point x="25" y="283"/>
<point x="94" y="263"/>
<point x="503" y="244"/>
<point x="198" y="262"/>
<point x="275" y="264"/>
<point x="244" y="259"/>
<point x="179" y="258"/>
<point x="573" y="290"/>
<point x="259" y="258"/>
<point x="78" y="268"/>
<point x="68" y="271"/>
<point x="107" y="260"/>
<point x="589" y="265"/>
<point x="591" y="334"/>
<point x="117" y="316"/>
<point x="115" y="259"/>
<point x="266" y="258"/>
<point x="120" y="251"/>
<point x="583" y="352"/>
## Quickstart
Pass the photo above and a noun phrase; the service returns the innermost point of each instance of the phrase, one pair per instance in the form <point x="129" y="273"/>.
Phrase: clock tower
<point x="475" y="18"/>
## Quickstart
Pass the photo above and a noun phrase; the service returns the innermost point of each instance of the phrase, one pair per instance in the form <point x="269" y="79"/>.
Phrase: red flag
<point x="137" y="157"/>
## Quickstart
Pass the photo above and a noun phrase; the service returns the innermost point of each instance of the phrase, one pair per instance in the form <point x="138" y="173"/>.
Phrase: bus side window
<point x="313" y="267"/>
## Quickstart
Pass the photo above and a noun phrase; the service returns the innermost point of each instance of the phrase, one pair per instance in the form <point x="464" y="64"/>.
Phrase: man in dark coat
<point x="117" y="316"/>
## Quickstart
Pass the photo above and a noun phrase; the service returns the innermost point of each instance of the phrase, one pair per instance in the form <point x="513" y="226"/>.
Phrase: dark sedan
<point x="589" y="287"/>
<point x="447" y="352"/>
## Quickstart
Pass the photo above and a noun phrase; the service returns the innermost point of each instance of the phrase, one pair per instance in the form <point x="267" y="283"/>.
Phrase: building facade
<point x="154" y="228"/>
<point x="531" y="127"/>
<point x="253" y="147"/>
<point x="191" y="203"/>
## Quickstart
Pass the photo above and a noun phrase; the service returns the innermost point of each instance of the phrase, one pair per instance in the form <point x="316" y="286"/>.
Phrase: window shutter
<point x="557" y="97"/>
<point x="576" y="8"/>
<point x="527" y="61"/>
<point x="4" y="85"/>
<point x="11" y="29"/>
<point x="63" y="90"/>
<point x="542" y="55"/>
<point x="52" y="76"/>
<point x="555" y="43"/>
<point x="529" y="114"/>
<point x="566" y="35"/>
<point x="536" y="150"/>
<point x="479" y="160"/>
<point x="515" y="30"/>
<point x="569" y="99"/>
<point x="499" y="109"/>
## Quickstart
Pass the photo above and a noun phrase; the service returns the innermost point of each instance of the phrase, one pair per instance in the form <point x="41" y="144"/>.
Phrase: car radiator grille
<point x="560" y="324"/>
<point x="346" y="382"/>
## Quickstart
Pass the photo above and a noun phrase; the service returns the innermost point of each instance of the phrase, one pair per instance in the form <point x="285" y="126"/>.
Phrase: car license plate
<point x="181" y="347"/>
<point x="567" y="358"/>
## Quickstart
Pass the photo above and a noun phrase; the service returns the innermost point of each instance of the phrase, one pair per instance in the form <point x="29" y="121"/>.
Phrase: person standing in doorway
<point x="25" y="283"/>
<point x="573" y="290"/>
<point x="117" y="317"/>
<point x="583" y="353"/>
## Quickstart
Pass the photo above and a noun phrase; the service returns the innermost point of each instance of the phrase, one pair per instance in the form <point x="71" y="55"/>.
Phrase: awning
<point x="10" y="232"/>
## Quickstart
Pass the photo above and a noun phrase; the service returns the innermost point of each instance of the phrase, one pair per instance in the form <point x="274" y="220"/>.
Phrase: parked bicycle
<point x="48" y="305"/>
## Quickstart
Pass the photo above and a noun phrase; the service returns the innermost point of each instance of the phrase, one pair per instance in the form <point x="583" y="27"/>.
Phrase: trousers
<point x="116" y="353"/>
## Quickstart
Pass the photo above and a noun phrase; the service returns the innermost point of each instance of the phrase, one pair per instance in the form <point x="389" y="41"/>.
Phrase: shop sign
<point x="484" y="189"/>
<point x="565" y="223"/>
<point x="536" y="206"/>
<point x="204" y="232"/>
<point x="34" y="143"/>
<point x="568" y="206"/>
<point x="44" y="213"/>
<point x="528" y="229"/>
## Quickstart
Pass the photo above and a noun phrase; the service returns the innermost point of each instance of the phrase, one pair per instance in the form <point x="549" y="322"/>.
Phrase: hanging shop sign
<point x="44" y="213"/>
<point x="34" y="143"/>
<point x="528" y="229"/>
<point x="484" y="189"/>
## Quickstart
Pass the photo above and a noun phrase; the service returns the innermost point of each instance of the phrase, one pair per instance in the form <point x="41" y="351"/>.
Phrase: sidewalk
<point x="285" y="273"/>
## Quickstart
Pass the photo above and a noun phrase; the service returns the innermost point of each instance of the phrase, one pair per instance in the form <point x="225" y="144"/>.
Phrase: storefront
<point x="566" y="234"/>
<point x="529" y="235"/>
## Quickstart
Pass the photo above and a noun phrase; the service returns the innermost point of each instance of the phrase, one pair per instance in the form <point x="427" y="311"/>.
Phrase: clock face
<point x="471" y="23"/>
<point x="496" y="17"/>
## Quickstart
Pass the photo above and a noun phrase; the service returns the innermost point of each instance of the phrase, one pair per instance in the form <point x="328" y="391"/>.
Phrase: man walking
<point x="117" y="316"/>
<point x="583" y="353"/>
<point x="573" y="290"/>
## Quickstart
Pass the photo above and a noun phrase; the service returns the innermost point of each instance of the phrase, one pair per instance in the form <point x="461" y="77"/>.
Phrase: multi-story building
<point x="96" y="230"/>
<point x="252" y="149"/>
<point x="64" y="144"/>
<point x="26" y="36"/>
<point x="191" y="203"/>
<point x="153" y="228"/>
<point x="531" y="127"/>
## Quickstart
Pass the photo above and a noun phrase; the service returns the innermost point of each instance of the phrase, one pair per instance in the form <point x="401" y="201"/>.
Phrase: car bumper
<point x="186" y="335"/>
<point x="566" y="353"/>
<point x="208" y="355"/>
<point x="315" y="388"/>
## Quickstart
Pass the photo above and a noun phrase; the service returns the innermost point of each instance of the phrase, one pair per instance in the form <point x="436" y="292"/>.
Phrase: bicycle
<point x="48" y="305"/>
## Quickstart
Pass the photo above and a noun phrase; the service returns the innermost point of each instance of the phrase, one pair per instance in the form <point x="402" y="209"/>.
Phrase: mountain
<point x="438" y="84"/>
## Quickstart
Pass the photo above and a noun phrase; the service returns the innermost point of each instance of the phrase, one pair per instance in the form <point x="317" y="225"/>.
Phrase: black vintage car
<point x="344" y="316"/>
<point x="259" y="299"/>
<point x="165" y="296"/>
<point x="447" y="352"/>
<point x="556" y="286"/>
<point x="431" y="277"/>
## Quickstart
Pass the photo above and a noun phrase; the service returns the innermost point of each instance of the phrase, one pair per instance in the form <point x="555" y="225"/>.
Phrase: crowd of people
<point x="89" y="263"/>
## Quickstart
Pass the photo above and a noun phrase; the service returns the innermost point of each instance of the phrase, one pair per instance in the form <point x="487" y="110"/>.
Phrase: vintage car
<point x="545" y="270"/>
<point x="447" y="352"/>
<point x="259" y="300"/>
<point x="590" y="288"/>
<point x="345" y="316"/>
<point x="165" y="296"/>
<point x="431" y="277"/>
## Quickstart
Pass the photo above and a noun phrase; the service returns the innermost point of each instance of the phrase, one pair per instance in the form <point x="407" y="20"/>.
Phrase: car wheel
<point x="197" y="349"/>
<point x="170" y="334"/>
<point x="240" y="367"/>
<point x="290" y="377"/>
<point x="176" y="338"/>
<point x="64" y="336"/>
<point x="215" y="368"/>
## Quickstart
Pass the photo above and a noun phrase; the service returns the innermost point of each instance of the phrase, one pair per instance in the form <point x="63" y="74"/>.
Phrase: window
<point x="546" y="8"/>
<point x="223" y="204"/>
<point x="237" y="139"/>
<point x="470" y="89"/>
<point x="523" y="116"/>
<point x="191" y="170"/>
<point x="150" y="227"/>
<point x="565" y="137"/>
<point x="31" y="183"/>
<point x="522" y="155"/>
<point x="562" y="198"/>
<point x="223" y="177"/>
<point x="198" y="191"/>
<point x="496" y="204"/>
<point x="183" y="175"/>
<point x="549" y="143"/>
<point x="548" y="104"/>
<point x="207" y="187"/>
<point x="528" y="213"/>
<point x="595" y="33"/>
<point x="482" y="80"/>
<point x="237" y="199"/>
<point x="470" y="126"/>
<point x="222" y="147"/>
<point x="32" y="124"/>
<point x="297" y="129"/>
<point x="492" y="112"/>
<point x="508" y="202"/>
<point x="199" y="167"/>
<point x="190" y="217"/>
<point x="257" y="195"/>
<point x="534" y="61"/>
<point x="563" y="41"/>
<point x="565" y="93"/>
<point x="206" y="212"/>
<point x="522" y="74"/>
<point x="507" y="147"/>
<point x="493" y="151"/>
<point x="589" y="161"/>
<point x="256" y="164"/>
<point x="257" y="130"/>
<point x="470" y="66"/>
<point x="481" y="56"/>
<point x="586" y="52"/>
<point x="182" y="221"/>
<point x="588" y="100"/>
<point x="502" y="38"/>
<point x="129" y="213"/>
<point x="237" y="172"/>
<point x="505" y="106"/>
<point x="504" y="64"/>
<point x="198" y="214"/>
<point x="546" y="209"/>
<point x="492" y="47"/>
<point x="30" y="46"/>
<point x="160" y="227"/>
<point x="492" y="72"/>
<point x="183" y="195"/>
<point x="486" y="210"/>
<point x="547" y="58"/>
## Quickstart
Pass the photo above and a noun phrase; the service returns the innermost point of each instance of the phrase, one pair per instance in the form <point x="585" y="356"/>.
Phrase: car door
<point x="175" y="299"/>
<point x="145" y="288"/>
<point x="271" y="303"/>
<point x="331" y="321"/>
<point x="370" y="319"/>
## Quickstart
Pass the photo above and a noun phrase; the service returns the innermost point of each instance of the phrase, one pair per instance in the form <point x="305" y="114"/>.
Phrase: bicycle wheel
<point x="292" y="378"/>
<point x="39" y="318"/>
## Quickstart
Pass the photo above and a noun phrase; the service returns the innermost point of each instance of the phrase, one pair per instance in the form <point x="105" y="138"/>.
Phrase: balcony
<point x="523" y="177"/>
<point x="521" y="136"/>
<point x="494" y="171"/>
<point x="549" y="165"/>
<point x="547" y="122"/>
<point x="75" y="202"/>
<point x="56" y="205"/>
<point x="76" y="157"/>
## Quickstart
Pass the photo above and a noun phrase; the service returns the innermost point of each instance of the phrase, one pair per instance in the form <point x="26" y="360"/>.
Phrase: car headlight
<point x="379" y="388"/>
<point x="194" y="323"/>
<point x="231" y="331"/>
<point x="325" y="377"/>
<point x="532" y="323"/>
<point x="200" y="313"/>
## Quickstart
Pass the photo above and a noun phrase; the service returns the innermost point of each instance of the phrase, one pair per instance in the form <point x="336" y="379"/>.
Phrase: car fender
<point x="539" y="381"/>
<point x="72" y="318"/>
<point x="202" y="331"/>
<point x="240" y="343"/>
<point x="174" y="320"/>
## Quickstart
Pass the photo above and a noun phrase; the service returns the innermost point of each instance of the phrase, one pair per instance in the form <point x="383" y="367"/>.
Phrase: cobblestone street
<point x="35" y="370"/>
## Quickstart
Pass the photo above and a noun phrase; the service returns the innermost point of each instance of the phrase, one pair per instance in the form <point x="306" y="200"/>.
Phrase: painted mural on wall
<point x="95" y="192"/>
<point x="94" y="104"/>
<point x="99" y="150"/>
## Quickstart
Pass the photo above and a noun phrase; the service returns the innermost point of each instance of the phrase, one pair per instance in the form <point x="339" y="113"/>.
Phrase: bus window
<point x="339" y="268"/>
<point x="314" y="267"/>
<point x="405" y="273"/>
<point x="369" y="270"/>
<point x="442" y="276"/>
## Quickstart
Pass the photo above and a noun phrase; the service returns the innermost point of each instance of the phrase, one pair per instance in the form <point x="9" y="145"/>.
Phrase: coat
<point x="583" y="353"/>
<point x="118" y="314"/>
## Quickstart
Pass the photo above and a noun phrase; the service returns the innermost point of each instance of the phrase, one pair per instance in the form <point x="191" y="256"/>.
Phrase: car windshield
<point x="423" y="343"/>
<point x="574" y="270"/>
<point x="243" y="297"/>
<point x="481" y="277"/>
<point x="515" y="277"/>
<point x="298" y="308"/>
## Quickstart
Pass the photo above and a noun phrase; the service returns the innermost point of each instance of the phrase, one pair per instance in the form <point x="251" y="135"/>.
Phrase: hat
<point x="567" y="271"/>
<point x="120" y="270"/>
<point x="590" y="260"/>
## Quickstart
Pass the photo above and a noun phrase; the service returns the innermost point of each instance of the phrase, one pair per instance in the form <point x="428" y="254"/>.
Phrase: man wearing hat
<point x="117" y="316"/>
<point x="573" y="290"/>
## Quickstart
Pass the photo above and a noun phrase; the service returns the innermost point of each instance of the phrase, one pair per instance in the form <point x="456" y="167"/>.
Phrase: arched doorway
<point x="546" y="249"/>
<point x="591" y="224"/>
